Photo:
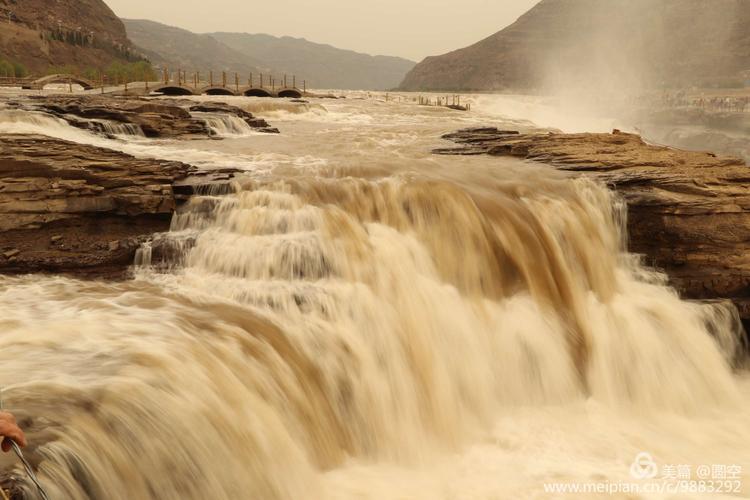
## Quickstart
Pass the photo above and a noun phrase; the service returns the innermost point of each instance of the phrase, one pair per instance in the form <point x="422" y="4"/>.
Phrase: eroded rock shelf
<point x="78" y="209"/>
<point x="688" y="212"/>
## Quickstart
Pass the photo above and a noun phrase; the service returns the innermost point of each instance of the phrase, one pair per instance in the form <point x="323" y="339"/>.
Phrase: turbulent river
<point x="361" y="319"/>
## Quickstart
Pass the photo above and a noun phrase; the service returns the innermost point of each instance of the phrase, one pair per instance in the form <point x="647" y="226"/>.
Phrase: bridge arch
<point x="257" y="92"/>
<point x="290" y="92"/>
<point x="216" y="91"/>
<point x="173" y="90"/>
<point x="61" y="78"/>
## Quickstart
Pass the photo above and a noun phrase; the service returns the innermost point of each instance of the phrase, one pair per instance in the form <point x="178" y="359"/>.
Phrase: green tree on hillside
<point x="117" y="72"/>
<point x="9" y="69"/>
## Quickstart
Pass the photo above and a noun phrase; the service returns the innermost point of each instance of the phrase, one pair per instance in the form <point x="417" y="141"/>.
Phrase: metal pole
<point x="294" y="81"/>
<point x="210" y="78"/>
<point x="224" y="79"/>
<point x="236" y="82"/>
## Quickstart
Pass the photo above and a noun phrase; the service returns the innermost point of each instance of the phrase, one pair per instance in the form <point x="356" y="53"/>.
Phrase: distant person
<point x="10" y="431"/>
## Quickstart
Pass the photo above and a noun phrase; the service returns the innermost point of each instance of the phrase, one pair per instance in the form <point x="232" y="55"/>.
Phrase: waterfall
<point x="316" y="320"/>
<point x="410" y="327"/>
<point x="224" y="125"/>
<point x="116" y="128"/>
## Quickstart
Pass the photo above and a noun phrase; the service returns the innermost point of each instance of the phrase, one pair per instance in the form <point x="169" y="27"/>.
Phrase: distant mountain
<point x="575" y="42"/>
<point x="176" y="48"/>
<point x="43" y="33"/>
<point x="323" y="66"/>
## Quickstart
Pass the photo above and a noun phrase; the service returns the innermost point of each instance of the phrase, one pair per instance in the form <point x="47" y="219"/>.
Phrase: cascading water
<point x="224" y="125"/>
<point x="387" y="325"/>
<point x="112" y="128"/>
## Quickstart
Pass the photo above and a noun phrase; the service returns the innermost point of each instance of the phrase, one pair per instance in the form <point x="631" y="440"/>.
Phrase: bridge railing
<point x="228" y="80"/>
<point x="10" y="81"/>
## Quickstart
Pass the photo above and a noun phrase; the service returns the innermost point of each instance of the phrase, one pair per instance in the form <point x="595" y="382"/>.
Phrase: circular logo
<point x="644" y="467"/>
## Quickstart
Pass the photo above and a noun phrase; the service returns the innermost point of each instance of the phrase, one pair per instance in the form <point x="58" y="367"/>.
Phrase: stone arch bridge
<point x="180" y="86"/>
<point x="40" y="83"/>
<point x="265" y="86"/>
<point x="175" y="89"/>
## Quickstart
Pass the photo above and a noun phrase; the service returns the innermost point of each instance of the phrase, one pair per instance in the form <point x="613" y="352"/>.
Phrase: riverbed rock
<point x="157" y="118"/>
<point x="78" y="209"/>
<point x="688" y="212"/>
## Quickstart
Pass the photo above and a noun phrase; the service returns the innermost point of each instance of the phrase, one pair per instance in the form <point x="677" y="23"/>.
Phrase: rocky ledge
<point x="688" y="212"/>
<point x="83" y="210"/>
<point x="156" y="118"/>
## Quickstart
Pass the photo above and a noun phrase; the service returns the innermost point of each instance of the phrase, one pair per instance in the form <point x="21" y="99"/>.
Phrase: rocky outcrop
<point x="162" y="118"/>
<point x="688" y="212"/>
<point x="72" y="208"/>
<point x="609" y="45"/>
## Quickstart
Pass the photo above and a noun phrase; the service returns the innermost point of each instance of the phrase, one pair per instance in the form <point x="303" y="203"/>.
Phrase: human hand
<point x="10" y="431"/>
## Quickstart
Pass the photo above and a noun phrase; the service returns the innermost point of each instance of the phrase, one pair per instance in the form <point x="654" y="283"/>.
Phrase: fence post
<point x="294" y="81"/>
<point x="236" y="82"/>
<point x="224" y="79"/>
<point x="210" y="78"/>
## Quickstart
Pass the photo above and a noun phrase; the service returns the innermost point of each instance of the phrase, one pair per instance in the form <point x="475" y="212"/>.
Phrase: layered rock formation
<point x="688" y="212"/>
<point x="161" y="118"/>
<point x="620" y="43"/>
<point x="84" y="210"/>
<point x="72" y="208"/>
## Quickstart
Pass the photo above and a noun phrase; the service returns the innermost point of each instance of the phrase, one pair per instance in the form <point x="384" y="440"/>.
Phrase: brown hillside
<point x="652" y="41"/>
<point x="44" y="33"/>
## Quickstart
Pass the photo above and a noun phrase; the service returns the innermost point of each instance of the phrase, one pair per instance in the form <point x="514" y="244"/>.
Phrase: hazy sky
<point x="409" y="28"/>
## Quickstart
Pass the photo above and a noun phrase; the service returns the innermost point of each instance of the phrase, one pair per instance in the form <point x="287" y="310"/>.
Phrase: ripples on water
<point x="361" y="319"/>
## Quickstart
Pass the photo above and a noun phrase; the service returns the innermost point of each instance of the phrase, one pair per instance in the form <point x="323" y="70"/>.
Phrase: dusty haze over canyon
<point x="405" y="28"/>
